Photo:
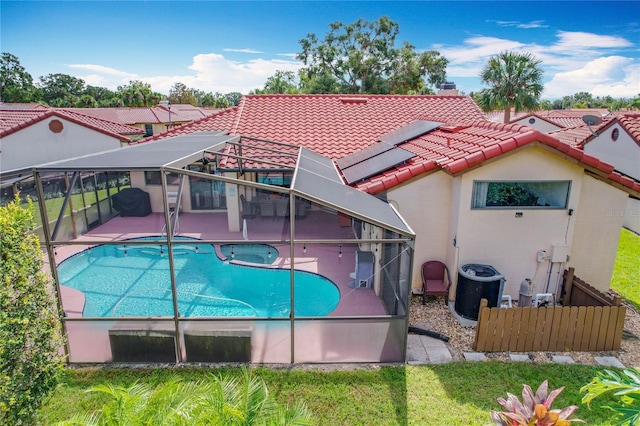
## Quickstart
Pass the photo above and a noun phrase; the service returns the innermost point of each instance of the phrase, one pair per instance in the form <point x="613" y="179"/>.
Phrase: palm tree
<point x="218" y="400"/>
<point x="515" y="80"/>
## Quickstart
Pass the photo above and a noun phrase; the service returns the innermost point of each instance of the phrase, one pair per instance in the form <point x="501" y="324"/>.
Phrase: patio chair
<point x="247" y="208"/>
<point x="435" y="280"/>
<point x="267" y="208"/>
<point x="282" y="207"/>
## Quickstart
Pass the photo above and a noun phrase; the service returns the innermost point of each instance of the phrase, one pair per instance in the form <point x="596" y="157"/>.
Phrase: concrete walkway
<point x="423" y="349"/>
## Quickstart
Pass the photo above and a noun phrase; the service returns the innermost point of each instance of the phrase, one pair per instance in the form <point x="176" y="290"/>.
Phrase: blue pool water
<point x="134" y="280"/>
<point x="253" y="253"/>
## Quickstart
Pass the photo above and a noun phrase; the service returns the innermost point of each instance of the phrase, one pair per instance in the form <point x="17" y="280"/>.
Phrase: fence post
<point x="568" y="286"/>
<point x="483" y="304"/>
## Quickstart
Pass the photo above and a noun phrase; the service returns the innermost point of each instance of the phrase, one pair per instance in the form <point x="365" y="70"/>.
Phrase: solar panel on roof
<point x="376" y="164"/>
<point x="363" y="154"/>
<point x="409" y="131"/>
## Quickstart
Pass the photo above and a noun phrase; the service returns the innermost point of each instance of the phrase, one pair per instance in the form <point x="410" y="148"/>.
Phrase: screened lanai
<point x="219" y="248"/>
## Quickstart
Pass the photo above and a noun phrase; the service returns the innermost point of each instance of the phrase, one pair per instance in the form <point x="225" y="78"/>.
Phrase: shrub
<point x="534" y="410"/>
<point x="29" y="333"/>
<point x="625" y="386"/>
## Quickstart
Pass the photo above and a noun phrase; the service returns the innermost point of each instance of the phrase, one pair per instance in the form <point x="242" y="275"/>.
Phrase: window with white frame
<point x="510" y="194"/>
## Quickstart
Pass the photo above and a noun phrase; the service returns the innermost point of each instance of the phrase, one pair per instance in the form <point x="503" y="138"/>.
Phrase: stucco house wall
<point x="539" y="124"/>
<point x="631" y="215"/>
<point x="426" y="206"/>
<point x="38" y="143"/>
<point x="509" y="241"/>
<point x="597" y="231"/>
<point x="623" y="153"/>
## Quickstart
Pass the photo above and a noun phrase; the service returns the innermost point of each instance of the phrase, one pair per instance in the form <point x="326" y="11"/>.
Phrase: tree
<point x="29" y="362"/>
<point x="280" y="82"/>
<point x="61" y="89"/>
<point x="181" y="94"/>
<point x="234" y="98"/>
<point x="515" y="81"/>
<point x="409" y="70"/>
<point x="103" y="96"/>
<point x="137" y="94"/>
<point x="361" y="58"/>
<point x="16" y="84"/>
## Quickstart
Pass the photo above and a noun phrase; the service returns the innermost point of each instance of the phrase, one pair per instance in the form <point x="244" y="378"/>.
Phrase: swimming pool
<point x="252" y="253"/>
<point x="134" y="280"/>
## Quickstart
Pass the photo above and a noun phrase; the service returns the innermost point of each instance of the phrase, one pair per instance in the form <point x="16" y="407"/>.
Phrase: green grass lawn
<point x="626" y="271"/>
<point x="460" y="393"/>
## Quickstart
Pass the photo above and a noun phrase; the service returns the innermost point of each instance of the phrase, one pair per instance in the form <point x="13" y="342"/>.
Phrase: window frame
<point x="475" y="197"/>
<point x="154" y="178"/>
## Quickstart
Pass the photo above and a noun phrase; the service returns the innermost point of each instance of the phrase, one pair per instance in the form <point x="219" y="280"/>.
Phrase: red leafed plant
<point x="534" y="410"/>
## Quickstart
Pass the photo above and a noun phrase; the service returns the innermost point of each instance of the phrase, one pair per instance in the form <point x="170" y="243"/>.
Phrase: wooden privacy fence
<point x="576" y="292"/>
<point x="559" y="329"/>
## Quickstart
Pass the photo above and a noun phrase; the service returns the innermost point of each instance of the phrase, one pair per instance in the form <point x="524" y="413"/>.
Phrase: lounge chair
<point x="247" y="208"/>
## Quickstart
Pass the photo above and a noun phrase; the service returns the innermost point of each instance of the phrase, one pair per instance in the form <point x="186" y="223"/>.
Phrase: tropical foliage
<point x="222" y="400"/>
<point x="535" y="409"/>
<point x="625" y="386"/>
<point x="29" y="335"/>
<point x="515" y="81"/>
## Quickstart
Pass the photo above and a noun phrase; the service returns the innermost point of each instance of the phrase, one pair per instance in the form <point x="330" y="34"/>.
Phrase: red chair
<point x="435" y="280"/>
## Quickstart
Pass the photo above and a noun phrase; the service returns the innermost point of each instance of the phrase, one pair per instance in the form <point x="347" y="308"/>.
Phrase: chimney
<point x="448" y="89"/>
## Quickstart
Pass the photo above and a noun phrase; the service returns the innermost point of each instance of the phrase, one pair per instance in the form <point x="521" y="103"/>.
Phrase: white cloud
<point x="581" y="40"/>
<point x="478" y="49"/>
<point x="102" y="76"/>
<point x="211" y="72"/>
<point x="575" y="62"/>
<point x="522" y="25"/>
<point x="242" y="50"/>
<point x="614" y="76"/>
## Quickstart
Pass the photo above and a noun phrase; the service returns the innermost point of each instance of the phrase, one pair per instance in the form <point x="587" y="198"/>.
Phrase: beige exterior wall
<point x="631" y="215"/>
<point x="499" y="238"/>
<point x="37" y="144"/>
<point x="426" y="206"/>
<point x="599" y="219"/>
<point x="438" y="208"/>
<point x="623" y="153"/>
<point x="155" y="192"/>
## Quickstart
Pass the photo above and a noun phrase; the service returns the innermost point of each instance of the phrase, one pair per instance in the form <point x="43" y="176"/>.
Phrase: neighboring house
<point x="41" y="135"/>
<point x="152" y="120"/>
<point x="449" y="172"/>
<point x="549" y="121"/>
<point x="617" y="142"/>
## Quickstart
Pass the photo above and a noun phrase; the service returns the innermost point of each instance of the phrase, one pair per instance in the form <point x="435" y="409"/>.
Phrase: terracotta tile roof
<point x="458" y="149"/>
<point x="332" y="125"/>
<point x="579" y="136"/>
<point x="180" y="113"/>
<point x="12" y="120"/>
<point x="631" y="123"/>
<point x="565" y="118"/>
<point x="339" y="125"/>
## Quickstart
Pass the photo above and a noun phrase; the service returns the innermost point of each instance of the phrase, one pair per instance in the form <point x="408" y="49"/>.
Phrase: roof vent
<point x="449" y="85"/>
<point x="353" y="100"/>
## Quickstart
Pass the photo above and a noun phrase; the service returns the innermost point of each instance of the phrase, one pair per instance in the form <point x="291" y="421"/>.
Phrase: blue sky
<point x="219" y="46"/>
